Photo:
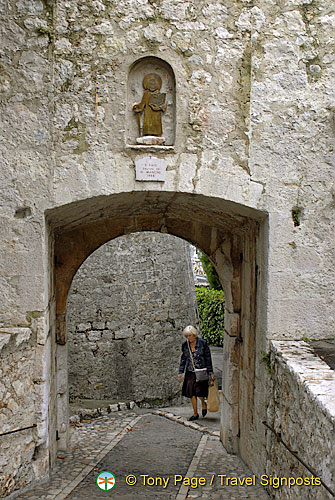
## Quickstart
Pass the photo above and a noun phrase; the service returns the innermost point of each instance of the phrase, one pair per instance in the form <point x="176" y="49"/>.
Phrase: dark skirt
<point x="193" y="388"/>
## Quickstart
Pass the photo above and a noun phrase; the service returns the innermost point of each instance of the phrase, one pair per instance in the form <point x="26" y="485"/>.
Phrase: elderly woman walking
<point x="196" y="357"/>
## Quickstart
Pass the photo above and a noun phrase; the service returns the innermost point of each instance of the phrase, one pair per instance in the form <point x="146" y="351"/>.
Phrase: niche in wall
<point x="151" y="103"/>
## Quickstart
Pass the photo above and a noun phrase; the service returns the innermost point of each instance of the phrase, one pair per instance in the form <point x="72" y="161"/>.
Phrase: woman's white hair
<point x="190" y="330"/>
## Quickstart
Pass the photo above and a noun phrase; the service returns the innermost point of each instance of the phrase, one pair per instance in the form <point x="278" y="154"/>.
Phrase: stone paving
<point x="161" y="443"/>
<point x="325" y="349"/>
<point x="216" y="463"/>
<point x="156" y="448"/>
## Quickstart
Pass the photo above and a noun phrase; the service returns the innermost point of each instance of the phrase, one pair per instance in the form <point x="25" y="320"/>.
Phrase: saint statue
<point x="153" y="104"/>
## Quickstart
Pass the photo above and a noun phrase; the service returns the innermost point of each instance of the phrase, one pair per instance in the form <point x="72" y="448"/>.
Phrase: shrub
<point x="211" y="314"/>
<point x="212" y="276"/>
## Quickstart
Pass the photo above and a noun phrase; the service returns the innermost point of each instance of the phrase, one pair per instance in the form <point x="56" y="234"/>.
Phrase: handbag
<point x="201" y="374"/>
<point x="213" y="400"/>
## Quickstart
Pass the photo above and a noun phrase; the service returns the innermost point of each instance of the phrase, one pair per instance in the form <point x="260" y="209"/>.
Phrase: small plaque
<point x="150" y="168"/>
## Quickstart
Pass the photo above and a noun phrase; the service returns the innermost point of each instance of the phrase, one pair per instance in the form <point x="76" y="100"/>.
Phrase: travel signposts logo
<point x="105" y="480"/>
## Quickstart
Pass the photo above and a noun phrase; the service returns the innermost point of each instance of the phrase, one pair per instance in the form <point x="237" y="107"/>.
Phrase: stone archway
<point x="235" y="238"/>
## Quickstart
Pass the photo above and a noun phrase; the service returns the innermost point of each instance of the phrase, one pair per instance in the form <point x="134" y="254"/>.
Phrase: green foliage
<point x="266" y="359"/>
<point x="296" y="215"/>
<point x="41" y="30"/>
<point x="211" y="313"/>
<point x="212" y="275"/>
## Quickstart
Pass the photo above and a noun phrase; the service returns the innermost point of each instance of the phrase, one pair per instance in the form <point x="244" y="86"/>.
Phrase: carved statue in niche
<point x="153" y="104"/>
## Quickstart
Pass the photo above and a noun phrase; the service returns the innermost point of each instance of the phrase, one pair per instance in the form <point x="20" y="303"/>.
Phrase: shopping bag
<point x="213" y="400"/>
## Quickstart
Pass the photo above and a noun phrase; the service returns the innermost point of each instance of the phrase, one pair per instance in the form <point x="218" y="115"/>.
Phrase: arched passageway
<point x="127" y="307"/>
<point x="234" y="237"/>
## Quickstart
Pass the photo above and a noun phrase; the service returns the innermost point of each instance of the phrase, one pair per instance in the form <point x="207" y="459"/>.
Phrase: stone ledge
<point x="143" y="147"/>
<point x="181" y="420"/>
<point x="316" y="376"/>
<point x="21" y="335"/>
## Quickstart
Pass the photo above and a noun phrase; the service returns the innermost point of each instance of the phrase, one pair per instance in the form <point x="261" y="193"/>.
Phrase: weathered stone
<point x="74" y="419"/>
<point x="301" y="409"/>
<point x="229" y="432"/>
<point x="18" y="390"/>
<point x="113" y="408"/>
<point x="230" y="374"/>
<point x="232" y="324"/>
<point x="150" y="140"/>
<point x="4" y="339"/>
<point x="252" y="103"/>
<point x="98" y="325"/>
<point x="83" y="327"/>
<point x="94" y="336"/>
<point x="124" y="334"/>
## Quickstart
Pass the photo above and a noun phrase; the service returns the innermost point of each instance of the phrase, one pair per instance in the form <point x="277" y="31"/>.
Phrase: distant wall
<point x="127" y="308"/>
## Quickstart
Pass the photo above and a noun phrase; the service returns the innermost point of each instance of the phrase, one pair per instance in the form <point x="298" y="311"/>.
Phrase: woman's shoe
<point x="204" y="412"/>
<point x="194" y="417"/>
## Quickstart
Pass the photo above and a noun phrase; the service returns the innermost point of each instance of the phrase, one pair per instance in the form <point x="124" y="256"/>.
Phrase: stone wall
<point x="21" y="458"/>
<point x="127" y="308"/>
<point x="301" y="408"/>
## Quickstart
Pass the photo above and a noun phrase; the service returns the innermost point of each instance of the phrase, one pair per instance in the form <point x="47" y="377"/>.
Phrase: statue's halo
<point x="147" y="79"/>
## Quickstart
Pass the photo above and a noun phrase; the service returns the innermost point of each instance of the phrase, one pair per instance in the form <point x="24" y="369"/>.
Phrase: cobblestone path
<point x="156" y="447"/>
<point x="151" y="445"/>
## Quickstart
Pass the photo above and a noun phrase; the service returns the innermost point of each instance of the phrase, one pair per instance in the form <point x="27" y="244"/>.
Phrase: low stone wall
<point x="127" y="308"/>
<point x="301" y="410"/>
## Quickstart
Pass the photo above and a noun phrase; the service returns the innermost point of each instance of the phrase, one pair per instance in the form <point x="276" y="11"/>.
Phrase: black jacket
<point x="202" y="357"/>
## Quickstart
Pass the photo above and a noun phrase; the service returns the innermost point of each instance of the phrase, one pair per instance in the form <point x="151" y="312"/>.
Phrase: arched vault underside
<point x="82" y="227"/>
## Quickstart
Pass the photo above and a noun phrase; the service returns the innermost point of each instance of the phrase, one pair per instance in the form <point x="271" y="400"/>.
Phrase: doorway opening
<point x="235" y="239"/>
<point x="127" y="307"/>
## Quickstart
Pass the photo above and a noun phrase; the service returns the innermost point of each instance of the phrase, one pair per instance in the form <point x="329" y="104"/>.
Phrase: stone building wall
<point x="249" y="178"/>
<point x="21" y="379"/>
<point x="128" y="305"/>
<point x="301" y="408"/>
